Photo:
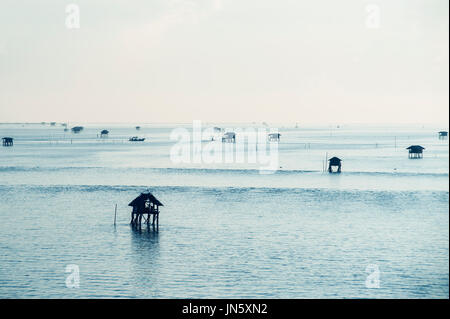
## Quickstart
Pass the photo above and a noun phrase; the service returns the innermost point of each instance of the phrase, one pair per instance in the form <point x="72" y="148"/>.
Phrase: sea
<point x="379" y="229"/>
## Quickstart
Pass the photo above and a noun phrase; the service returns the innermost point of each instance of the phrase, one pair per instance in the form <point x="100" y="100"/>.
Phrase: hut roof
<point x="143" y="198"/>
<point x="415" y="148"/>
<point x="104" y="132"/>
<point x="7" y="138"/>
<point x="274" y="134"/>
<point x="335" y="159"/>
<point x="77" y="128"/>
<point x="443" y="132"/>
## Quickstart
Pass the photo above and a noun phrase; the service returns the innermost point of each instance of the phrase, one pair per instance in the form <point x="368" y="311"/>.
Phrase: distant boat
<point x="136" y="139"/>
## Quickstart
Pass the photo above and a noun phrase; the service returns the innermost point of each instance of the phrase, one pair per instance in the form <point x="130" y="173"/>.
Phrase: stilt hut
<point x="229" y="137"/>
<point x="335" y="162"/>
<point x="274" y="137"/>
<point x="104" y="133"/>
<point x="8" y="141"/>
<point x="138" y="128"/>
<point x="146" y="207"/>
<point x="415" y="151"/>
<point x="443" y="135"/>
<point x="77" y="129"/>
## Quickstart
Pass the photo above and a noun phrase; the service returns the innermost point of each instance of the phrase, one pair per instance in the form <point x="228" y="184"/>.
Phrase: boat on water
<point x="136" y="139"/>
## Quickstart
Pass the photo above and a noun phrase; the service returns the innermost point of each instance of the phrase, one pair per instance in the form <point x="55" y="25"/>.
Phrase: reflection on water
<point x="145" y="265"/>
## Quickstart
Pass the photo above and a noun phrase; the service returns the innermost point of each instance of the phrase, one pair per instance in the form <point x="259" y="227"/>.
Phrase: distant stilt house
<point x="274" y="137"/>
<point x="229" y="137"/>
<point x="443" y="135"/>
<point x="138" y="128"/>
<point x="415" y="151"/>
<point x="104" y="133"/>
<point x="77" y="129"/>
<point x="8" y="141"/>
<point x="145" y="207"/>
<point x="334" y="162"/>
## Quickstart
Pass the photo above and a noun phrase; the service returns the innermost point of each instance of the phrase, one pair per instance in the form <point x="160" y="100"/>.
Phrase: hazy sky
<point x="225" y="60"/>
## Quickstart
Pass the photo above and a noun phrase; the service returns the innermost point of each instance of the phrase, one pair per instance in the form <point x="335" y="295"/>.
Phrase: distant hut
<point x="138" y="128"/>
<point x="229" y="137"/>
<point x="334" y="162"/>
<point x="145" y="206"/>
<point x="274" y="137"/>
<point x="443" y="135"/>
<point x="8" y="141"/>
<point x="415" y="151"/>
<point x="77" y="129"/>
<point x="104" y="133"/>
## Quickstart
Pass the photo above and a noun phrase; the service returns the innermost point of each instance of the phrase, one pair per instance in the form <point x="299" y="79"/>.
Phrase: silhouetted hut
<point x="104" y="133"/>
<point x="77" y="129"/>
<point x="8" y="141"/>
<point x="443" y="135"/>
<point x="229" y="137"/>
<point x="334" y="162"/>
<point x="145" y="206"/>
<point x="138" y="128"/>
<point x="415" y="151"/>
<point x="274" y="137"/>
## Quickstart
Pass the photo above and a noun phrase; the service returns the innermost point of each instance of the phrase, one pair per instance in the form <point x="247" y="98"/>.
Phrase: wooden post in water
<point x="115" y="214"/>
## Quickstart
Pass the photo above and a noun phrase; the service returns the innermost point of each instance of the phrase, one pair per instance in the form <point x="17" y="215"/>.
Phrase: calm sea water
<point x="225" y="230"/>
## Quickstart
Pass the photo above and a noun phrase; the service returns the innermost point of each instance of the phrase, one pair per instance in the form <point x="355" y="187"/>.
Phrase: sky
<point x="315" y="61"/>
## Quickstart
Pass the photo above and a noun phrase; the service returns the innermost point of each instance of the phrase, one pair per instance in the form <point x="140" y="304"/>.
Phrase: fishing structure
<point x="145" y="209"/>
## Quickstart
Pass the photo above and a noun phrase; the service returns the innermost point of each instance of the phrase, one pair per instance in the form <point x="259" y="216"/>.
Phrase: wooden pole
<point x="115" y="214"/>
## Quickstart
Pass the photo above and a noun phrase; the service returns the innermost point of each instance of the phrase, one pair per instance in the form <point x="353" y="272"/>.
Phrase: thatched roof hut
<point x="77" y="129"/>
<point x="145" y="206"/>
<point x="104" y="133"/>
<point x="415" y="151"/>
<point x="8" y="141"/>
<point x="229" y="137"/>
<point x="335" y="162"/>
<point x="274" y="137"/>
